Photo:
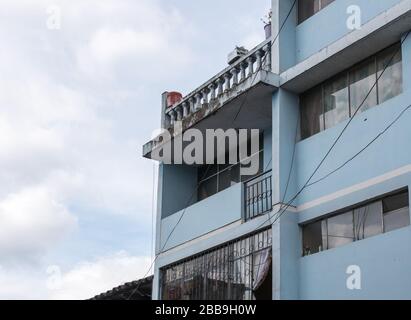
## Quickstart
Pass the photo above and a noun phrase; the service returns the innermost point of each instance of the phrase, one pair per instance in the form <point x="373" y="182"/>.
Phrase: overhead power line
<point x="234" y="119"/>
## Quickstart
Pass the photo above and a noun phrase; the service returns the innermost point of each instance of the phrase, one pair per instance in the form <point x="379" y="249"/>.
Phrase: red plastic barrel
<point x="173" y="98"/>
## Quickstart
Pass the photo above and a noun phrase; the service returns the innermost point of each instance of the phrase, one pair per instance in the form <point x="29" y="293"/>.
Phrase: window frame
<point x="373" y="59"/>
<point x="220" y="169"/>
<point x="325" y="220"/>
<point x="321" y="7"/>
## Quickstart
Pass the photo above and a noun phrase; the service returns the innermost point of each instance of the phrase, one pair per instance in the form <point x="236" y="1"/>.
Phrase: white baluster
<point x="205" y="95"/>
<point x="179" y="111"/>
<point x="197" y="101"/>
<point x="220" y="86"/>
<point x="172" y="115"/>
<point x="192" y="103"/>
<point x="250" y="61"/>
<point x="259" y="54"/>
<point x="212" y="88"/>
<point x="234" y="73"/>
<point x="243" y="68"/>
<point x="186" y="109"/>
<point x="267" y="61"/>
<point x="227" y="77"/>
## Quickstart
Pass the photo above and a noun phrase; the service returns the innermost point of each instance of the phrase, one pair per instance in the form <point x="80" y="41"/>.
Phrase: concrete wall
<point x="390" y="152"/>
<point x="179" y="184"/>
<point x="382" y="168"/>
<point x="203" y="217"/>
<point x="178" y="191"/>
<point x="330" y="24"/>
<point x="385" y="260"/>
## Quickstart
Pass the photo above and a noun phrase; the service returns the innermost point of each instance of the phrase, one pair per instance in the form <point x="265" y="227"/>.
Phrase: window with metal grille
<point x="238" y="270"/>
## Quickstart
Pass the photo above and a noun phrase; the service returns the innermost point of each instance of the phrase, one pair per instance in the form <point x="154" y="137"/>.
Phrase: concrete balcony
<point x="247" y="84"/>
<point x="202" y="218"/>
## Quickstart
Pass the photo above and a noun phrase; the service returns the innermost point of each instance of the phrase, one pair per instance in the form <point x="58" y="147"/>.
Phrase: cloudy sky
<point x="78" y="99"/>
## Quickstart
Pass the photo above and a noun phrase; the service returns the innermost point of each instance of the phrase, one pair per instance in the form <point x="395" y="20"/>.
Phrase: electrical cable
<point x="240" y="108"/>
<point x="289" y="203"/>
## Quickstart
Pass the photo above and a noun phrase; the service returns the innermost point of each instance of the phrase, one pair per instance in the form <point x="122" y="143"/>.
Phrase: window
<point x="362" y="80"/>
<point x="396" y="212"/>
<point x="315" y="237"/>
<point x="340" y="230"/>
<point x="307" y="8"/>
<point x="384" y="215"/>
<point x="337" y="99"/>
<point x="239" y="270"/>
<point x="215" y="178"/>
<point x="312" y="114"/>
<point x="367" y="221"/>
<point x="390" y="82"/>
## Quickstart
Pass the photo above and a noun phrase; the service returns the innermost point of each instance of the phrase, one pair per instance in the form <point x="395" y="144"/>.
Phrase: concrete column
<point x="156" y="285"/>
<point x="284" y="49"/>
<point x="165" y="121"/>
<point x="286" y="239"/>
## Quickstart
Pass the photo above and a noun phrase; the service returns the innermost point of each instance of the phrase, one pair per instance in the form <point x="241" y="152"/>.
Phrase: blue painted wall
<point x="385" y="263"/>
<point x="178" y="189"/>
<point x="390" y="152"/>
<point x="385" y="260"/>
<point x="203" y="217"/>
<point x="329" y="25"/>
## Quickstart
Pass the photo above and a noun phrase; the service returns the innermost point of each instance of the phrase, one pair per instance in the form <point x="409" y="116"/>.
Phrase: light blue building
<point x="346" y="233"/>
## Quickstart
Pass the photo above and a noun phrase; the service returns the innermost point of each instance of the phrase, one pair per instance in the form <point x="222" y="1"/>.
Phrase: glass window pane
<point x="207" y="188"/>
<point x="314" y="240"/>
<point x="229" y="175"/>
<point x="390" y="82"/>
<point x="206" y="171"/>
<point x="340" y="230"/>
<point x="336" y="101"/>
<point x="325" y="3"/>
<point x="362" y="79"/>
<point x="312" y="118"/>
<point x="368" y="221"/>
<point x="395" y="202"/>
<point x="396" y="219"/>
<point x="307" y="8"/>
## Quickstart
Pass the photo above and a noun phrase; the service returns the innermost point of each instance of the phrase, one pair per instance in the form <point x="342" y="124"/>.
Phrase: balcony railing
<point x="258" y="195"/>
<point x="210" y="92"/>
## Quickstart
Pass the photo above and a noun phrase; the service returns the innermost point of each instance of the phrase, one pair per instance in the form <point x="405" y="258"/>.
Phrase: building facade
<point x="327" y="215"/>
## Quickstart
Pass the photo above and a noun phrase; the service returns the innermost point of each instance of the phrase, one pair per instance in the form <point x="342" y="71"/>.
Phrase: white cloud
<point x="31" y="222"/>
<point x="108" y="45"/>
<point x="76" y="104"/>
<point x="82" y="281"/>
<point x="88" y="279"/>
